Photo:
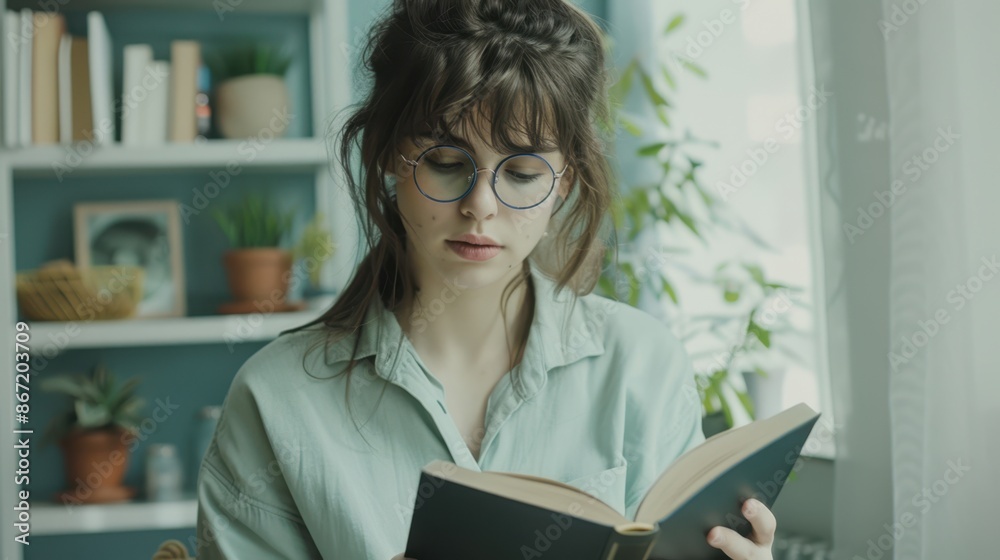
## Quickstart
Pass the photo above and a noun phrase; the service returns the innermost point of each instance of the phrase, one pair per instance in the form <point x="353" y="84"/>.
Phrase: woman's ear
<point x="566" y="183"/>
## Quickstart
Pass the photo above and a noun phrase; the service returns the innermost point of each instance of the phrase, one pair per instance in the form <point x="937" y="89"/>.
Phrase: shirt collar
<point x="561" y="333"/>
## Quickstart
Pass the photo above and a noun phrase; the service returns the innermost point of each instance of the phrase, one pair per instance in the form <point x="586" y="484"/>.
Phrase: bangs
<point x="510" y="109"/>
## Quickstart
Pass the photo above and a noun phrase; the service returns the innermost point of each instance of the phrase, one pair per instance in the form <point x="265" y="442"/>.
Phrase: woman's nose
<point x="481" y="202"/>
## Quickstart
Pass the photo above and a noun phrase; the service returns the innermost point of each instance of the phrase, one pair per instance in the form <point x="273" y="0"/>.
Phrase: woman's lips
<point x="472" y="252"/>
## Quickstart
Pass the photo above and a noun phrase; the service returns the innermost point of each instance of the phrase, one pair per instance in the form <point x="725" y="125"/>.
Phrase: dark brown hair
<point x="530" y="69"/>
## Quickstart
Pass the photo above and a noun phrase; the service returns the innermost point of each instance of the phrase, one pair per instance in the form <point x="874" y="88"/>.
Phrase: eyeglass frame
<point x="475" y="175"/>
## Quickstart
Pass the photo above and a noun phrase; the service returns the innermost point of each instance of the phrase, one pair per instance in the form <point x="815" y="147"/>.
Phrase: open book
<point x="461" y="514"/>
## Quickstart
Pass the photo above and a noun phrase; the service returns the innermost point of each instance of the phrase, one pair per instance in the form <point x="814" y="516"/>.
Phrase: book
<point x="81" y="105"/>
<point x="185" y="59"/>
<point x="26" y="37"/>
<point x="156" y="106"/>
<point x="11" y="72"/>
<point x="461" y="513"/>
<point x="65" y="92"/>
<point x="134" y="94"/>
<point x="48" y="32"/>
<point x="101" y="90"/>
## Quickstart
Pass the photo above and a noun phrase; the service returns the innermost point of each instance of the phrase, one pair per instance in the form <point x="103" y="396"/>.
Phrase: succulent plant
<point x="99" y="402"/>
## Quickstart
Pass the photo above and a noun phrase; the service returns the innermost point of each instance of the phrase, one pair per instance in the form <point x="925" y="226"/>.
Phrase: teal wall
<point x="188" y="376"/>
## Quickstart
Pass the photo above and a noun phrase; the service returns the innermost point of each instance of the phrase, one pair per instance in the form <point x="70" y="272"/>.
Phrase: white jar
<point x="164" y="474"/>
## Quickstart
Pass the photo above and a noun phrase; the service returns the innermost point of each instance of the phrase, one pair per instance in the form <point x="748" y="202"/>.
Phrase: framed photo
<point x="143" y="233"/>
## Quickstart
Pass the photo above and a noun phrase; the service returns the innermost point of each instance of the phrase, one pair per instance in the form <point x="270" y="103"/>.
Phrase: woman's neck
<point x="464" y="326"/>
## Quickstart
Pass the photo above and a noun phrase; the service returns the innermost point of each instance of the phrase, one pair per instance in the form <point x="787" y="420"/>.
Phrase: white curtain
<point x="944" y="377"/>
<point x="909" y="202"/>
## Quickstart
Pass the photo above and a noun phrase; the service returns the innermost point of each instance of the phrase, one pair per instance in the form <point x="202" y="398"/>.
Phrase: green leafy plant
<point x="254" y="222"/>
<point x="316" y="242"/>
<point x="747" y="336"/>
<point x="679" y="199"/>
<point x="247" y="59"/>
<point x="667" y="200"/>
<point x="99" y="402"/>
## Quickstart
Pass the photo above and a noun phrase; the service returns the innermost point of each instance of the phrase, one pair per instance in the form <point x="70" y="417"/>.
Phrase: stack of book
<point x="58" y="88"/>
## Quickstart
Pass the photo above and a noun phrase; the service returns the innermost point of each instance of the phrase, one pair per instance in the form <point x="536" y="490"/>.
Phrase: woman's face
<point x="434" y="228"/>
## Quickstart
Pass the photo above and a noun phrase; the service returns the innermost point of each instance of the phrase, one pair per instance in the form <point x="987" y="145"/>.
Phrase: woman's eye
<point x="445" y="165"/>
<point x="522" y="177"/>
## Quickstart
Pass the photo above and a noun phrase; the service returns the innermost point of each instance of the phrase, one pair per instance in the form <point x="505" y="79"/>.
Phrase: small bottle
<point x="164" y="476"/>
<point x="202" y="104"/>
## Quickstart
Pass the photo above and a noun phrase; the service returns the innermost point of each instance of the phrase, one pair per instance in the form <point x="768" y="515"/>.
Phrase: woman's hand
<point x="758" y="546"/>
<point x="400" y="557"/>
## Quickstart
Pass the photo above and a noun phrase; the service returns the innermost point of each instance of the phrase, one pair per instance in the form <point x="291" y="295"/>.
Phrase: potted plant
<point x="94" y="434"/>
<point x="258" y="267"/>
<point x="251" y="90"/>
<point x="313" y="249"/>
<point x="747" y="344"/>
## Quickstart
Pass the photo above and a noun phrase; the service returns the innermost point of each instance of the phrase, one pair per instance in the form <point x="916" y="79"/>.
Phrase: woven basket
<point x="59" y="291"/>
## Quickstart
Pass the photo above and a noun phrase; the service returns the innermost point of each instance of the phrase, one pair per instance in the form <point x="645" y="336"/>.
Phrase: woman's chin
<point x="476" y="275"/>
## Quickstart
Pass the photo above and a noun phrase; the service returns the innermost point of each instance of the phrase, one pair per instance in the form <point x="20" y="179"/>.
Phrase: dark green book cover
<point x="462" y="520"/>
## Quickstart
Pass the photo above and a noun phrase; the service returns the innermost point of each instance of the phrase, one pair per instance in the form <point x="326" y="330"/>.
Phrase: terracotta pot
<point x="95" y="461"/>
<point x="253" y="106"/>
<point x="258" y="274"/>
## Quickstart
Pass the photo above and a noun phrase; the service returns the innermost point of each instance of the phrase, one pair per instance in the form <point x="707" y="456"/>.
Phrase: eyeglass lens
<point x="445" y="174"/>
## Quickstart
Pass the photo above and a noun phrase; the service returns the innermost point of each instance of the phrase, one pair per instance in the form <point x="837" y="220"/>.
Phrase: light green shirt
<point x="611" y="402"/>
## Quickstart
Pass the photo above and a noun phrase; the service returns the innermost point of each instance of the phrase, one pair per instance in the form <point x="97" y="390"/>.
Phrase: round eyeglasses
<point x="447" y="173"/>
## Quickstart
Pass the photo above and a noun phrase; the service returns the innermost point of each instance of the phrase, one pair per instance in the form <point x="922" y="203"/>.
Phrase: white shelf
<point x="59" y="519"/>
<point x="226" y="329"/>
<point x="72" y="160"/>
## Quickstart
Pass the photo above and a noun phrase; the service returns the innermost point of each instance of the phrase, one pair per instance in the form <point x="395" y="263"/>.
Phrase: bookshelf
<point x="284" y="155"/>
<point x="320" y="85"/>
<point x="55" y="519"/>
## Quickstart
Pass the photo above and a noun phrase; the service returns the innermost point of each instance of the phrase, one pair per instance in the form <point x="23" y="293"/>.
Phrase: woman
<point x="468" y="333"/>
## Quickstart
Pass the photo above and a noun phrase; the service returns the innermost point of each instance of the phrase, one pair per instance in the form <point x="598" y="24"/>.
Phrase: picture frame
<point x="145" y="233"/>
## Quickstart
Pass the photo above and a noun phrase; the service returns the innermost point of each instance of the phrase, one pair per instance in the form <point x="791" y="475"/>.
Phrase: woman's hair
<point x="528" y="70"/>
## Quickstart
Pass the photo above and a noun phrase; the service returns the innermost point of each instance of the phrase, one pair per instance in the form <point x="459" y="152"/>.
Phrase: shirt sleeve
<point x="663" y="414"/>
<point x="245" y="509"/>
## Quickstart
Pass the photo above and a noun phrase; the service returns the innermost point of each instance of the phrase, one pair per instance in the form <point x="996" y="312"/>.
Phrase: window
<point x="753" y="106"/>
